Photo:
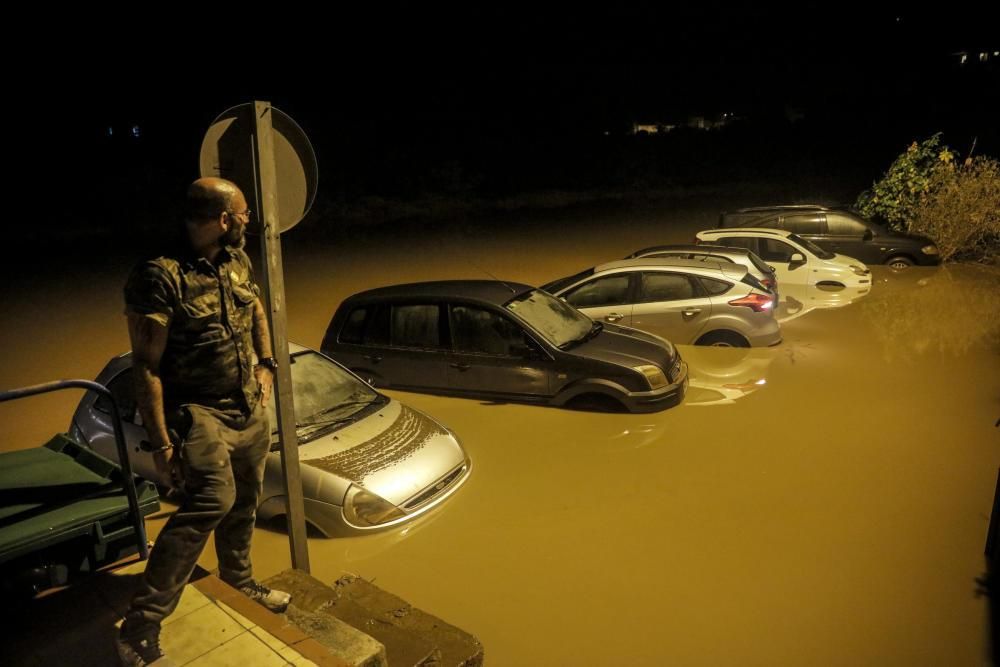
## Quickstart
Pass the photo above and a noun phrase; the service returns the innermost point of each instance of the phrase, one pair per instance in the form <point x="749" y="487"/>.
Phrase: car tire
<point x="899" y="262"/>
<point x="723" y="338"/>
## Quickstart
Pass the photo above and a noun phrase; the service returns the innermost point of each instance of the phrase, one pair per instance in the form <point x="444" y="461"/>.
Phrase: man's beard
<point x="233" y="238"/>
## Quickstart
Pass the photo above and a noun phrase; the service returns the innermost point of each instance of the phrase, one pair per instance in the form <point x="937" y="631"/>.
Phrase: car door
<point x="848" y="236"/>
<point x="416" y="355"/>
<point x="671" y="304"/>
<point x="778" y="253"/>
<point x="98" y="428"/>
<point x="492" y="354"/>
<point x="605" y="298"/>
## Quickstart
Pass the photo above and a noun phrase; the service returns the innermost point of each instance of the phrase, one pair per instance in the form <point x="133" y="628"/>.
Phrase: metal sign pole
<point x="274" y="282"/>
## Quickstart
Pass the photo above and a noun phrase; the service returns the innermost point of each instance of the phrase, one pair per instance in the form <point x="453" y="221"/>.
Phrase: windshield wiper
<point x="595" y="328"/>
<point x="321" y="418"/>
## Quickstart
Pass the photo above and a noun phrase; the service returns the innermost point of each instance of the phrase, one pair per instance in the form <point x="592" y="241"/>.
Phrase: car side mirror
<point x="869" y="235"/>
<point x="797" y="258"/>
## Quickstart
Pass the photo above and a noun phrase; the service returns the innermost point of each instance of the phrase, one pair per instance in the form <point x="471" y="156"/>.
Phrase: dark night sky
<point x="412" y="88"/>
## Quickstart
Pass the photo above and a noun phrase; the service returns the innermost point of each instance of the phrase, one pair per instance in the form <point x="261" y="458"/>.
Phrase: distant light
<point x="996" y="53"/>
<point x="135" y="131"/>
<point x="898" y="19"/>
<point x="983" y="57"/>
<point x="111" y="131"/>
<point x="965" y="57"/>
<point x="761" y="382"/>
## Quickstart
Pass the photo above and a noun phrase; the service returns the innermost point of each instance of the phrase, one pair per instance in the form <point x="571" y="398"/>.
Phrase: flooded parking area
<point x="824" y="501"/>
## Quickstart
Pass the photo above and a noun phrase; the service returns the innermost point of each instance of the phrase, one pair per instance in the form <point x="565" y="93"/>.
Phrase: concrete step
<point x="411" y="637"/>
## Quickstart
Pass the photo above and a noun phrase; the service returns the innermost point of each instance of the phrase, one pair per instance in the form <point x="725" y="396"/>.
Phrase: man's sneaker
<point x="142" y="651"/>
<point x="276" y="601"/>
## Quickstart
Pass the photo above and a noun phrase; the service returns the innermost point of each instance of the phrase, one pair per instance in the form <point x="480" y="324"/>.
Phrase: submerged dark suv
<point x="840" y="230"/>
<point x="504" y="341"/>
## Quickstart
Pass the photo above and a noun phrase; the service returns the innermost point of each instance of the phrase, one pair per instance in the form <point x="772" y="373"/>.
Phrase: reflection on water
<point x="947" y="310"/>
<point x="797" y="300"/>
<point x="719" y="376"/>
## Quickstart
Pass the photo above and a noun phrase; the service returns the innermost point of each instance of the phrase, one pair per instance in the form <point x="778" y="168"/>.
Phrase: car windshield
<point x="323" y="393"/>
<point x="555" y="320"/>
<point x="810" y="246"/>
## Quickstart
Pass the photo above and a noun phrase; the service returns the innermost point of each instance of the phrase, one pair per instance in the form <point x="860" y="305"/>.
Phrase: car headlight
<point x="364" y="508"/>
<point x="654" y="376"/>
<point x="929" y="249"/>
<point x="860" y="270"/>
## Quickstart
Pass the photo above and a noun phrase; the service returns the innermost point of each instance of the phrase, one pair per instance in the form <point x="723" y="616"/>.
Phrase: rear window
<point x="661" y="286"/>
<point x="715" y="287"/>
<point x="753" y="282"/>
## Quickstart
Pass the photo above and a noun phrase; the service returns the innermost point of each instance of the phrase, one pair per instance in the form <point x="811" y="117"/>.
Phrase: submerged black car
<point x="501" y="341"/>
<point x="842" y="231"/>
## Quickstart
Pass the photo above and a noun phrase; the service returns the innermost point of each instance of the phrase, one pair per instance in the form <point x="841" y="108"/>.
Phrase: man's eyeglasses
<point x="245" y="214"/>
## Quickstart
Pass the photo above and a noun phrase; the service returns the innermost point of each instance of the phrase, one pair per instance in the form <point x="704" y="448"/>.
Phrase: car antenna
<point x="512" y="290"/>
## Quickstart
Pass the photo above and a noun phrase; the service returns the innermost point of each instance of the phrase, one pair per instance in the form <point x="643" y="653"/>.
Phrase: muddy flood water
<point x="825" y="501"/>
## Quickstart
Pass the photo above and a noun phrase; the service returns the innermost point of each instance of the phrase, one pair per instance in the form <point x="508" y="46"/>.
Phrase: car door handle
<point x="613" y="317"/>
<point x="461" y="366"/>
<point x="689" y="312"/>
<point x="374" y="358"/>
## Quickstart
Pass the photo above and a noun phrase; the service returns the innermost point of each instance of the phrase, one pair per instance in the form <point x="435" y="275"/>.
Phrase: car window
<point x="715" y="287"/>
<point x="810" y="246"/>
<point x="662" y="286"/>
<point x="748" y="242"/>
<point x="482" y="331"/>
<point x="562" y="283"/>
<point x="606" y="291"/>
<point x="768" y="222"/>
<point x="123" y="389"/>
<point x="416" y="326"/>
<point x="804" y="223"/>
<point x="354" y="328"/>
<point x="773" y="250"/>
<point x="844" y="225"/>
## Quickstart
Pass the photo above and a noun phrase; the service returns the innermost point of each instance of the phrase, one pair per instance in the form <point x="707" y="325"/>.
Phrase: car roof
<point x="693" y="248"/>
<point x="495" y="292"/>
<point x="708" y="269"/>
<point x="747" y="230"/>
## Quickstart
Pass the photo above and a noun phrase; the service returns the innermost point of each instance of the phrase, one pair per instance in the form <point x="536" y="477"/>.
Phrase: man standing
<point x="195" y="321"/>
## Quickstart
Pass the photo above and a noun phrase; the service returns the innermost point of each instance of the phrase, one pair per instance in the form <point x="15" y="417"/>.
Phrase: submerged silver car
<point x="757" y="267"/>
<point x="368" y="461"/>
<point x="686" y="301"/>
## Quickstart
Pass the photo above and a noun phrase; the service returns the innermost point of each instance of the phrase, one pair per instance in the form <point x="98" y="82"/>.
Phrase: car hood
<point x="625" y="346"/>
<point x="396" y="452"/>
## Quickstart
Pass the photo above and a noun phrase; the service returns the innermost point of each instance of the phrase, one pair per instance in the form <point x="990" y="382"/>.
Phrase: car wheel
<point x="723" y="339"/>
<point x="899" y="262"/>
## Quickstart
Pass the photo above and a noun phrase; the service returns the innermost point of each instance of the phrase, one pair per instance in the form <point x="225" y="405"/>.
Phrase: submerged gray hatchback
<point x="504" y="341"/>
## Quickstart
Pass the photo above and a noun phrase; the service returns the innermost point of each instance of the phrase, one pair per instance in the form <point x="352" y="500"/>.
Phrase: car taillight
<point x="756" y="302"/>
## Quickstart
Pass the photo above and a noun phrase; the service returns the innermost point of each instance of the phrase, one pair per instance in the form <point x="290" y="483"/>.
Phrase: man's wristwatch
<point x="268" y="362"/>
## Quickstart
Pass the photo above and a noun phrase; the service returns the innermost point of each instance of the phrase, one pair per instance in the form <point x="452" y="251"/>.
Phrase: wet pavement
<point x="824" y="501"/>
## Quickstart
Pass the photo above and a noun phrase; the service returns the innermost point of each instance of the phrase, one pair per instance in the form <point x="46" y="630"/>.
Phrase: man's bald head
<point x="208" y="198"/>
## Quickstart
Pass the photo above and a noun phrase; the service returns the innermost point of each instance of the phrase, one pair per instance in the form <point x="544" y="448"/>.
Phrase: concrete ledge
<point x="409" y="635"/>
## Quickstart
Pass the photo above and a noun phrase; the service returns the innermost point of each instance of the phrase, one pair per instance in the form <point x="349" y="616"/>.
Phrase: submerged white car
<point x="368" y="462"/>
<point x="796" y="261"/>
